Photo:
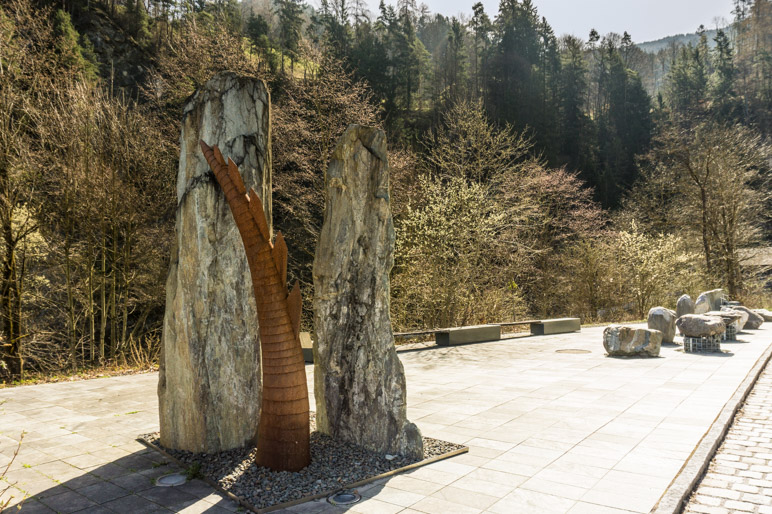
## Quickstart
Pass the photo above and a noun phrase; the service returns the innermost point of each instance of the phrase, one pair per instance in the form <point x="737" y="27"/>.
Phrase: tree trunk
<point x="71" y="340"/>
<point x="13" y="353"/>
<point x="126" y="283"/>
<point x="103" y="303"/>
<point x="91" y="314"/>
<point x="113" y="313"/>
<point x="705" y="236"/>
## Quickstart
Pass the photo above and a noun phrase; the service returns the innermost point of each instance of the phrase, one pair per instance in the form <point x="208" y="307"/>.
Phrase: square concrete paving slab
<point x="547" y="432"/>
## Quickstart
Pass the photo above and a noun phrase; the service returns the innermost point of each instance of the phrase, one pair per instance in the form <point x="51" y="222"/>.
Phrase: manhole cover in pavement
<point x="572" y="350"/>
<point x="344" y="498"/>
<point x="171" y="480"/>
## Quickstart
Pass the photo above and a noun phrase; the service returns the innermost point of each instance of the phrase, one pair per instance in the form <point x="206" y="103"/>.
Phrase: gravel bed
<point x="334" y="464"/>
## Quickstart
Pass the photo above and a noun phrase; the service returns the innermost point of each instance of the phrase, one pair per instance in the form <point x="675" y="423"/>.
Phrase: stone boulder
<point x="662" y="319"/>
<point x="359" y="381"/>
<point x="708" y="301"/>
<point x="730" y="316"/>
<point x="755" y="320"/>
<point x="764" y="313"/>
<point x="697" y="325"/>
<point x="622" y="341"/>
<point x="685" y="305"/>
<point x="209" y="386"/>
<point x="742" y="316"/>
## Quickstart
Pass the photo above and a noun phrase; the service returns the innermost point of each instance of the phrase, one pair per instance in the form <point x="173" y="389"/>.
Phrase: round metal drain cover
<point x="572" y="350"/>
<point x="344" y="498"/>
<point x="171" y="480"/>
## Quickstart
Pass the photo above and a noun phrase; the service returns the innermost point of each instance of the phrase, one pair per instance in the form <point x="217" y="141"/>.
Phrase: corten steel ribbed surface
<point x="283" y="432"/>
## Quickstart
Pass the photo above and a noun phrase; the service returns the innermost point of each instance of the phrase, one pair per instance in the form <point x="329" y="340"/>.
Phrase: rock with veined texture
<point x="209" y="386"/>
<point x="662" y="319"/>
<point x="359" y="381"/>
<point x="622" y="341"/>
<point x="698" y="325"/>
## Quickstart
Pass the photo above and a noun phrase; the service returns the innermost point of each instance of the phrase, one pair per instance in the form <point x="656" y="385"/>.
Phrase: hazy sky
<point x="645" y="20"/>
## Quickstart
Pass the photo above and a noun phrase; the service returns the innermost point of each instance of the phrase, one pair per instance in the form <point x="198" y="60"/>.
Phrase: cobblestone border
<point x="675" y="497"/>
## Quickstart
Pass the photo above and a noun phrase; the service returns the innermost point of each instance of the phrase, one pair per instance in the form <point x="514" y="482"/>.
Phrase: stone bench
<point x="463" y="335"/>
<point x="555" y="326"/>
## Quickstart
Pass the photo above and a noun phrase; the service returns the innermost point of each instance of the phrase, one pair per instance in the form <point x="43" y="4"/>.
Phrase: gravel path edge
<point x="306" y="499"/>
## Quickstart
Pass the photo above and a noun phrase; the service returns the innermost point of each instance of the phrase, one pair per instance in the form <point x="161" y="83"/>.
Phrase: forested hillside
<point x="653" y="47"/>
<point x="533" y="174"/>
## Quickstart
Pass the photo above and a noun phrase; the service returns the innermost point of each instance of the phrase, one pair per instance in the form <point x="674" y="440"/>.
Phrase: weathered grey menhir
<point x="359" y="380"/>
<point x="209" y="386"/>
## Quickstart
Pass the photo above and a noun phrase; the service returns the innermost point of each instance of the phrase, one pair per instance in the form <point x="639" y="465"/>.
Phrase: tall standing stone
<point x="359" y="380"/>
<point x="708" y="301"/>
<point x="662" y="319"/>
<point x="209" y="385"/>
<point x="684" y="306"/>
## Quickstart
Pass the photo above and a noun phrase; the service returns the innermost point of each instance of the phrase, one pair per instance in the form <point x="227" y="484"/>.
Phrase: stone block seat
<point x="471" y="334"/>
<point x="555" y="326"/>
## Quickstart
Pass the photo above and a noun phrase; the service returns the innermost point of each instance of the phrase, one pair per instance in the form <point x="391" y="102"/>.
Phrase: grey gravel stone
<point x="334" y="465"/>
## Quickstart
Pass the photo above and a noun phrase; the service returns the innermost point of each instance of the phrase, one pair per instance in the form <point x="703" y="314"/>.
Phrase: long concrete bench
<point x="462" y="335"/>
<point x="555" y="326"/>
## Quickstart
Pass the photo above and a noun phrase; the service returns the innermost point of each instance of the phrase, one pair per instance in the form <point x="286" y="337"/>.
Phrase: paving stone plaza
<point x="740" y="475"/>
<point x="552" y="425"/>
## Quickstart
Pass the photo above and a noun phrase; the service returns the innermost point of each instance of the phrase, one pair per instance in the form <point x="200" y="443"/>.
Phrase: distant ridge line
<point x="655" y="46"/>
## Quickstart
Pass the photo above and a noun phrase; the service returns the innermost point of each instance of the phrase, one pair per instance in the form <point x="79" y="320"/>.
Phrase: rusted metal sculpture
<point x="283" y="431"/>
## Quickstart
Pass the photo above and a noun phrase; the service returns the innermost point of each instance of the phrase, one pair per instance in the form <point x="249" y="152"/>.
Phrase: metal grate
<point x="703" y="344"/>
<point x="731" y="333"/>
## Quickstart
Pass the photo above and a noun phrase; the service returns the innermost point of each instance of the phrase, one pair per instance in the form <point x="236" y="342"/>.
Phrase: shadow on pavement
<point x="125" y="485"/>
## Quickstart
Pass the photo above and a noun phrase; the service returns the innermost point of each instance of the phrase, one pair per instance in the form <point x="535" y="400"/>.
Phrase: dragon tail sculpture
<point x="283" y="431"/>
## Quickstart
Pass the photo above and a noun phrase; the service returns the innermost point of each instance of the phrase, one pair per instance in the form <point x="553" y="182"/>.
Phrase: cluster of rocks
<point x="711" y="304"/>
<point x="706" y="318"/>
<point x="210" y="382"/>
